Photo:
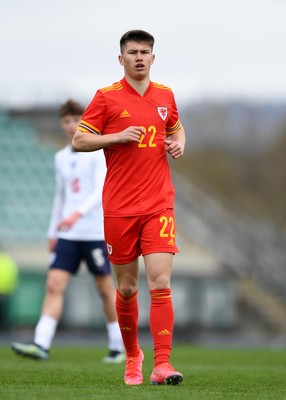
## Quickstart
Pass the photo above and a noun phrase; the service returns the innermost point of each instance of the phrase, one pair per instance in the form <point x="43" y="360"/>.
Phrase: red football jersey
<point x="138" y="179"/>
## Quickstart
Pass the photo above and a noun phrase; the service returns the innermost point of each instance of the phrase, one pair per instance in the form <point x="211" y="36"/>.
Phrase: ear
<point x="153" y="58"/>
<point x="120" y="59"/>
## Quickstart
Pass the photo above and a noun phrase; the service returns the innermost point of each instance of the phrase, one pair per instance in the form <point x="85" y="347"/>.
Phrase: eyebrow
<point x="144" y="49"/>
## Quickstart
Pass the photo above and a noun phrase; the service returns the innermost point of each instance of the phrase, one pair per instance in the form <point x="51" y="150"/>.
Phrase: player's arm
<point x="67" y="223"/>
<point x="175" y="143"/>
<point x="86" y="141"/>
<point x="57" y="207"/>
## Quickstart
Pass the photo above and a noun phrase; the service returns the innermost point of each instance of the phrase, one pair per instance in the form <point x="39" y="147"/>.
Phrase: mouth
<point x="139" y="66"/>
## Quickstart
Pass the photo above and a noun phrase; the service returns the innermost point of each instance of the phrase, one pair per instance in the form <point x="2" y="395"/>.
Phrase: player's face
<point x="137" y="59"/>
<point x="69" y="123"/>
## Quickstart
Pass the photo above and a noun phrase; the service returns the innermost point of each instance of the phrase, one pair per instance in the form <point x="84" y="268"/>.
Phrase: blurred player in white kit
<point x="75" y="234"/>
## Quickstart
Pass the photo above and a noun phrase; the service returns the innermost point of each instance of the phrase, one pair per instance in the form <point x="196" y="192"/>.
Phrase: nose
<point x="139" y="57"/>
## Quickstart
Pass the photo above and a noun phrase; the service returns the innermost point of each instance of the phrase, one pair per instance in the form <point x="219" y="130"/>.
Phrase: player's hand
<point x="52" y="245"/>
<point x="174" y="148"/>
<point x="67" y="223"/>
<point x="131" y="134"/>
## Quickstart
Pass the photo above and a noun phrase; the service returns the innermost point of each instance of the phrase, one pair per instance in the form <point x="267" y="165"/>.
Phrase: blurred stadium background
<point x="229" y="279"/>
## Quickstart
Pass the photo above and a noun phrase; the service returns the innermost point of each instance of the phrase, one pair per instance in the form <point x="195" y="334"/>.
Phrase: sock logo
<point x="164" y="332"/>
<point x="125" y="328"/>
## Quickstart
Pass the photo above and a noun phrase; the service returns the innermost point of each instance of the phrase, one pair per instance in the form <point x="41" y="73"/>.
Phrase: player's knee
<point x="54" y="287"/>
<point x="106" y="293"/>
<point x="160" y="282"/>
<point x="127" y="290"/>
<point x="127" y="285"/>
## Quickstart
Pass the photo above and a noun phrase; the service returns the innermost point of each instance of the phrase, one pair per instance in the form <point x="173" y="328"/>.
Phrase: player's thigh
<point x="105" y="285"/>
<point x="158" y="270"/>
<point x="158" y="234"/>
<point x="66" y="257"/>
<point x="122" y="236"/>
<point x="57" y="280"/>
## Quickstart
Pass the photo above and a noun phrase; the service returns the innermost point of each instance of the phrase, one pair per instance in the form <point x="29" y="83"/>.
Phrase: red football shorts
<point x="129" y="237"/>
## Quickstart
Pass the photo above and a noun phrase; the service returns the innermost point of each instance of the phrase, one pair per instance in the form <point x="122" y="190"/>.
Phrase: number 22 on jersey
<point x="148" y="141"/>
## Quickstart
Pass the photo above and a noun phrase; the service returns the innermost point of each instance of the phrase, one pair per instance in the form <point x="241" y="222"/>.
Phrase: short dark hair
<point x="136" y="35"/>
<point x="71" y="107"/>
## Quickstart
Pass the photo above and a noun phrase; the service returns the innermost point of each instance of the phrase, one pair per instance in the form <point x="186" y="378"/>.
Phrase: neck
<point x="139" y="85"/>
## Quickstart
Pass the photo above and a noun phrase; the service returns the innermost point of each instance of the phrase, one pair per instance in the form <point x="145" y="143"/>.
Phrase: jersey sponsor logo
<point x="124" y="114"/>
<point x="163" y="112"/>
<point x="109" y="248"/>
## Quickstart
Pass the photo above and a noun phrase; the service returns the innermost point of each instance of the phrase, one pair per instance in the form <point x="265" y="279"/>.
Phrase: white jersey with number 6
<point x="79" y="183"/>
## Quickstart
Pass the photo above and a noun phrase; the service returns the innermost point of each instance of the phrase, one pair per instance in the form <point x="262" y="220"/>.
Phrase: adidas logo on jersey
<point x="125" y="114"/>
<point x="171" y="242"/>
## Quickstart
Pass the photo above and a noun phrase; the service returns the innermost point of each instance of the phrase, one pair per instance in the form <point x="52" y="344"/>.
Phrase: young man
<point x="136" y="122"/>
<point x="76" y="234"/>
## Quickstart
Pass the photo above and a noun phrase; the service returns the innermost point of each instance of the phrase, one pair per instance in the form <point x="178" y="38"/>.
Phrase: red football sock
<point x="127" y="311"/>
<point x="161" y="324"/>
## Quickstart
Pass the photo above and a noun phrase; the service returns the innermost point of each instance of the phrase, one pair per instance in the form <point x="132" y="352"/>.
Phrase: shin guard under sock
<point x="127" y="311"/>
<point x="161" y="324"/>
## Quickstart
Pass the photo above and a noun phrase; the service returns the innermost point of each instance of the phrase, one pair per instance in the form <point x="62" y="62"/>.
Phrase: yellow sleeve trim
<point x="85" y="126"/>
<point x="173" y="129"/>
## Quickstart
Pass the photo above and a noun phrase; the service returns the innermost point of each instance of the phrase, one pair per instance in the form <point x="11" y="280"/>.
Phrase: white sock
<point x="45" y="331"/>
<point x="114" y="336"/>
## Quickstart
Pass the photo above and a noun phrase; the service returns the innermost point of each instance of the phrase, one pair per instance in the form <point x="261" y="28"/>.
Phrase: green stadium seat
<point x="27" y="183"/>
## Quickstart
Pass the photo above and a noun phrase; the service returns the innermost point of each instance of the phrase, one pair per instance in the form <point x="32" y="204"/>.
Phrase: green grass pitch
<point x="209" y="374"/>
